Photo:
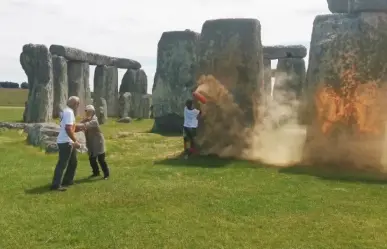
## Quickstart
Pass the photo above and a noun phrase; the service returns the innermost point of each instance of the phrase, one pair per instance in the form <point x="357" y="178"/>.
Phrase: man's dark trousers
<point x="67" y="160"/>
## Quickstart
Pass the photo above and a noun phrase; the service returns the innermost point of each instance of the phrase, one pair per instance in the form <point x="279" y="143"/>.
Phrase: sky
<point x="132" y="29"/>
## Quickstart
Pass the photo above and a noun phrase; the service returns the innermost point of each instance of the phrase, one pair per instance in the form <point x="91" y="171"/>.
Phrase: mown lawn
<point x="154" y="200"/>
<point x="13" y="97"/>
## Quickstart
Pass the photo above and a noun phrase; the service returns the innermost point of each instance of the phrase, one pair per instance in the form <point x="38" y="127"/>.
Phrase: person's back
<point x="191" y="117"/>
<point x="67" y="117"/>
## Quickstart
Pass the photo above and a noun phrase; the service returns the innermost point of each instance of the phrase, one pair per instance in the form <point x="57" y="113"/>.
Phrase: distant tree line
<point x="9" y="84"/>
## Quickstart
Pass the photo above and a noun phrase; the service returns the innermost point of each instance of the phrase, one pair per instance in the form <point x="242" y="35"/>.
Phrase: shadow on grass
<point x="46" y="188"/>
<point x="165" y="134"/>
<point x="196" y="161"/>
<point x="323" y="171"/>
<point x="338" y="173"/>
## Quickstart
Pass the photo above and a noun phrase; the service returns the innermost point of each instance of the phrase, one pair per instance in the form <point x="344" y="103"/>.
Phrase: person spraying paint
<point x="191" y="115"/>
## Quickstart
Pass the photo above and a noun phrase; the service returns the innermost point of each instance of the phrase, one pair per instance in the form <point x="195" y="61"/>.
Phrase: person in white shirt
<point x="67" y="144"/>
<point x="189" y="128"/>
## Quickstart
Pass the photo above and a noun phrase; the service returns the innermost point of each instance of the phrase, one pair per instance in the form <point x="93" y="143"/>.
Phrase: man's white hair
<point x="73" y="98"/>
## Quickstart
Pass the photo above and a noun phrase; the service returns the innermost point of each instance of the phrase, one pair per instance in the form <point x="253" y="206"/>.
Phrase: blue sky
<point x="132" y="29"/>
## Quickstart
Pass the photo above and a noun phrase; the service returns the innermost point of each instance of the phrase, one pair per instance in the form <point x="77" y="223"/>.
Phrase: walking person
<point x="68" y="145"/>
<point x="95" y="143"/>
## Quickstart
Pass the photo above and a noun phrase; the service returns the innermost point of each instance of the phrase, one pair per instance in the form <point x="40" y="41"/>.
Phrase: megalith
<point x="289" y="79"/>
<point x="135" y="105"/>
<point x="106" y="86"/>
<point x="230" y="75"/>
<point x="135" y="81"/>
<point x="36" y="62"/>
<point x="174" y="79"/>
<point x="78" y="80"/>
<point x="338" y="6"/>
<point x="61" y="87"/>
<point x="280" y="52"/>
<point x="101" y="110"/>
<point x="346" y="99"/>
<point x="125" y="101"/>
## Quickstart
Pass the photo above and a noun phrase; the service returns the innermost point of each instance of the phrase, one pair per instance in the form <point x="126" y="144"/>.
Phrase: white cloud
<point x="132" y="29"/>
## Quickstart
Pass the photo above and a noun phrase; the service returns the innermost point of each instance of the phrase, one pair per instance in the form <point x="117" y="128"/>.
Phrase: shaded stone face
<point x="101" y="110"/>
<point x="60" y="84"/>
<point x="135" y="81"/>
<point x="230" y="75"/>
<point x="36" y="62"/>
<point x="78" y="80"/>
<point x="346" y="99"/>
<point x="106" y="86"/>
<point x="338" y="6"/>
<point x="174" y="78"/>
<point x="135" y="105"/>
<point x="289" y="79"/>
<point x="279" y="52"/>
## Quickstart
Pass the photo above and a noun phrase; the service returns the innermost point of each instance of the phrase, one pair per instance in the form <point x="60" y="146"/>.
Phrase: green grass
<point x="154" y="200"/>
<point x="13" y="97"/>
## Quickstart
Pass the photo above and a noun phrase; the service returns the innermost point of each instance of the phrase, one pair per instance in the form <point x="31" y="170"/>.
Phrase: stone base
<point x="171" y="123"/>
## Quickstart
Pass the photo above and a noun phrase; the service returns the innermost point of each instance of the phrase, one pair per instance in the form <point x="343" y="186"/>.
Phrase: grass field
<point x="154" y="200"/>
<point x="13" y="97"/>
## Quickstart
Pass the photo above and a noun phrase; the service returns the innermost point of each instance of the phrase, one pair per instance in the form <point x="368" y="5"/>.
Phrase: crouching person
<point x="95" y="143"/>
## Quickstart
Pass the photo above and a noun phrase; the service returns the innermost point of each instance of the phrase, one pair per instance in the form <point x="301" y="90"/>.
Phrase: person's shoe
<point x="106" y="177"/>
<point x="60" y="189"/>
<point x="65" y="184"/>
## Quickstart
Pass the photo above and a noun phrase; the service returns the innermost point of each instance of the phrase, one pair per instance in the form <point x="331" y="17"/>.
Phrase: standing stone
<point x="106" y="86"/>
<point x="61" y="86"/>
<point x="346" y="118"/>
<point x="174" y="79"/>
<point x="36" y="61"/>
<point x="338" y="6"/>
<point x="146" y="103"/>
<point x="267" y="77"/>
<point x="289" y="79"/>
<point x="78" y="73"/>
<point x="134" y="81"/>
<point x="101" y="110"/>
<point x="279" y="52"/>
<point x="124" y="104"/>
<point x="230" y="74"/>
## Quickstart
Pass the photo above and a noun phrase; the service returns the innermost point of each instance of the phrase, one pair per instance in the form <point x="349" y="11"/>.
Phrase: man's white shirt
<point x="191" y="118"/>
<point x="67" y="117"/>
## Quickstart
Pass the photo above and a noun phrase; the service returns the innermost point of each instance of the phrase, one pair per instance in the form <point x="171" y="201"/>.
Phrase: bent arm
<point x="70" y="130"/>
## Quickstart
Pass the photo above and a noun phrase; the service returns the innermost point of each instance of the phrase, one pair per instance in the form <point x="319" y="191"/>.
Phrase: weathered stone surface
<point x="126" y="120"/>
<point x="75" y="54"/>
<point x="61" y="86"/>
<point x="134" y="81"/>
<point x="44" y="135"/>
<point x="36" y="61"/>
<point x="230" y="52"/>
<point x="338" y="6"/>
<point x="125" y="101"/>
<point x="135" y="105"/>
<point x="10" y="125"/>
<point x="346" y="99"/>
<point x="174" y="78"/>
<point x="356" y="6"/>
<point x="278" y="52"/>
<point x="267" y="77"/>
<point x="101" y="110"/>
<point x="289" y="79"/>
<point x="106" y="86"/>
<point x="78" y="80"/>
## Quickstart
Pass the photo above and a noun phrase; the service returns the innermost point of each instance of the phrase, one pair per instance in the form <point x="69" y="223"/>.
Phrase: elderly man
<point x="67" y="144"/>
